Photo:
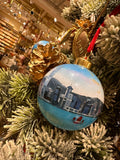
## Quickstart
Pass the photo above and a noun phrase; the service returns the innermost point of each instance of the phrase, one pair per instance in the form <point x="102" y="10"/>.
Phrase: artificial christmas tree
<point x="19" y="111"/>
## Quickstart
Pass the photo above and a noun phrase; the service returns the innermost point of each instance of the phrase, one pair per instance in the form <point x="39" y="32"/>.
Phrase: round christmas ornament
<point x="43" y="43"/>
<point x="70" y="97"/>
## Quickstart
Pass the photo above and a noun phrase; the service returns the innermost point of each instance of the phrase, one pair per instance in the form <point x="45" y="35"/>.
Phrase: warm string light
<point x="55" y="19"/>
<point x="20" y="10"/>
<point x="23" y="14"/>
<point x="31" y="2"/>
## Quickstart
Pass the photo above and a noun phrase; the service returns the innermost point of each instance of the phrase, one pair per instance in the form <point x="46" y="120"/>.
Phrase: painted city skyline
<point x="63" y="97"/>
<point x="83" y="81"/>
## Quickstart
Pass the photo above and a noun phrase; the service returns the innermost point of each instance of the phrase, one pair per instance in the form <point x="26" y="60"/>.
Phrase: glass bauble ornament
<point x="42" y="42"/>
<point x="70" y="97"/>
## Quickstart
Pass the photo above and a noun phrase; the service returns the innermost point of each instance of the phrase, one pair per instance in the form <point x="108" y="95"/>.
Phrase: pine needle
<point x="51" y="145"/>
<point x="5" y="77"/>
<point x="11" y="151"/>
<point x="7" y="104"/>
<point x="22" y="87"/>
<point x="23" y="122"/>
<point x="92" y="142"/>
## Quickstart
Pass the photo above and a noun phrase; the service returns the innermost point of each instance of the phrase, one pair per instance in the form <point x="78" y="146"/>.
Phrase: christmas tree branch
<point x="98" y="18"/>
<point x="23" y="121"/>
<point x="93" y="144"/>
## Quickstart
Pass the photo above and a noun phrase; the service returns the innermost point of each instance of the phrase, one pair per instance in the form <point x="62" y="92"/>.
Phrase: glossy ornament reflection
<point x="70" y="97"/>
<point x="42" y="42"/>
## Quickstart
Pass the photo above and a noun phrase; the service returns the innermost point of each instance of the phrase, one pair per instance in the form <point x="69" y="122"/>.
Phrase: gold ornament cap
<point x="83" y="62"/>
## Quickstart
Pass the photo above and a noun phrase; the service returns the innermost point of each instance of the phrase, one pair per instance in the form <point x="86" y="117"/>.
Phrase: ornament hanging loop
<point x="83" y="62"/>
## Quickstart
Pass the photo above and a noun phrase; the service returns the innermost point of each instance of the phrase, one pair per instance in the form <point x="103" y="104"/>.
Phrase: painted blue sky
<point x="81" y="69"/>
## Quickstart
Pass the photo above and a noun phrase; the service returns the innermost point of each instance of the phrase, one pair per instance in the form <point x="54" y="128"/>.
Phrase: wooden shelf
<point x="7" y="40"/>
<point x="8" y="36"/>
<point x="6" y="33"/>
<point x="8" y="26"/>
